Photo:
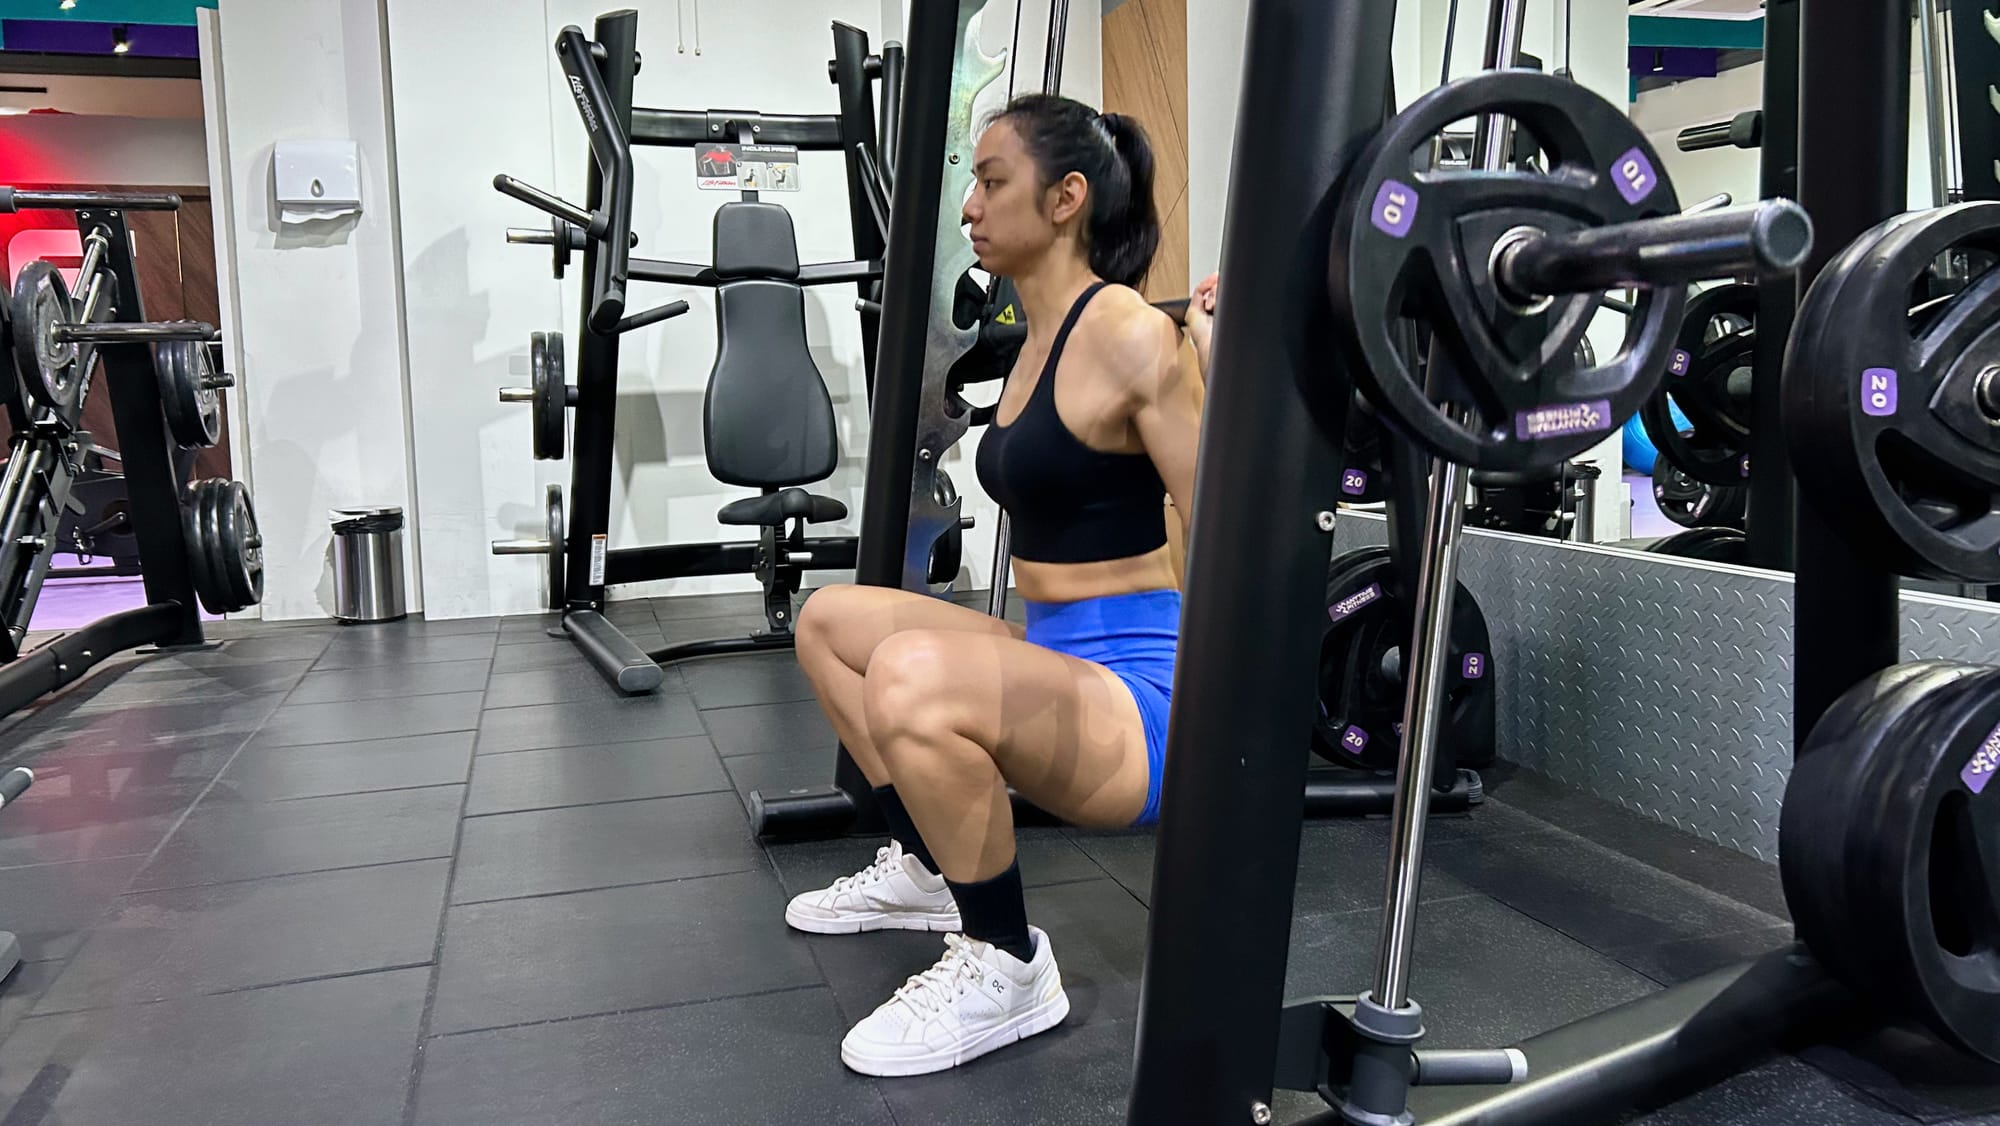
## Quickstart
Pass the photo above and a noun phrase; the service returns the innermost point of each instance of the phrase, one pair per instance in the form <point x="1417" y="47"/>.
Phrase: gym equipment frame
<point x="600" y="72"/>
<point x="46" y="454"/>
<point x="1213" y="1039"/>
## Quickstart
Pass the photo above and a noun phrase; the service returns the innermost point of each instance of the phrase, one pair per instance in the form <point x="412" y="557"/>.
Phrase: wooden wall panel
<point x="1145" y="76"/>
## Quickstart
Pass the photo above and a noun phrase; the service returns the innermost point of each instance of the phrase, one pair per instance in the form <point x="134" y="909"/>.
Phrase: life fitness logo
<point x="583" y="103"/>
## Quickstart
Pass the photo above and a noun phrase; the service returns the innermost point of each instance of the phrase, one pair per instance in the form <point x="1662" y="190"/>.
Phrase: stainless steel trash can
<point x="368" y="565"/>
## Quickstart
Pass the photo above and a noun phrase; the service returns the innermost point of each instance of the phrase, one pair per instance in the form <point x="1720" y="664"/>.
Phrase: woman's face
<point x="1013" y="219"/>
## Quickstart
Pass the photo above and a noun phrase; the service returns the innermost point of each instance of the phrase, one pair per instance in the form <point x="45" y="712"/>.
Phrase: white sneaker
<point x="976" y="999"/>
<point x="896" y="893"/>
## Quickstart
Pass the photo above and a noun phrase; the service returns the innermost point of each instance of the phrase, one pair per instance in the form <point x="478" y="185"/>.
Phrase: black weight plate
<point x="50" y="371"/>
<point x="1364" y="477"/>
<point x="558" y="573"/>
<point x="553" y="408"/>
<point x="1885" y="428"/>
<point x="191" y="535"/>
<point x="1815" y="822"/>
<point x="1714" y="545"/>
<point x="1697" y="504"/>
<point x="1362" y="690"/>
<point x="193" y="410"/>
<point x="203" y="546"/>
<point x="949" y="550"/>
<point x="240" y="557"/>
<point x="1409" y="241"/>
<point x="1715" y="446"/>
<point x="1928" y="869"/>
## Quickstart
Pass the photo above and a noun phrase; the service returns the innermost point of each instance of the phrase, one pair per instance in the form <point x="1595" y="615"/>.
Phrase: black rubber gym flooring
<point x="438" y="873"/>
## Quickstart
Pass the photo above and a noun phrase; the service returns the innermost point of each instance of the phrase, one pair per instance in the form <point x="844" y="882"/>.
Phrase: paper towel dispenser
<point x="316" y="179"/>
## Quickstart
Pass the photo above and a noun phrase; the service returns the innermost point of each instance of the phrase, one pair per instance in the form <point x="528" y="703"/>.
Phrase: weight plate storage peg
<point x="1413" y="241"/>
<point x="188" y="392"/>
<point x="1709" y="378"/>
<point x="1893" y="418"/>
<point x="51" y="371"/>
<point x="1361" y="671"/>
<point x="557" y="593"/>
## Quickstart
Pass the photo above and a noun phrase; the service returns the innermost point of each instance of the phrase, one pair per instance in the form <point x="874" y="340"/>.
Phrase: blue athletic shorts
<point x="1133" y="635"/>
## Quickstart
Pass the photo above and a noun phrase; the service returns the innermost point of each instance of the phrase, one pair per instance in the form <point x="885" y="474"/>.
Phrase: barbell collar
<point x="1768" y="237"/>
<point x="145" y="332"/>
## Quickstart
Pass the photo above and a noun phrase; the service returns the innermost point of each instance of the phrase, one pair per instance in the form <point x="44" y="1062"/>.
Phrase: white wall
<point x="321" y="369"/>
<point x="473" y="300"/>
<point x="77" y="149"/>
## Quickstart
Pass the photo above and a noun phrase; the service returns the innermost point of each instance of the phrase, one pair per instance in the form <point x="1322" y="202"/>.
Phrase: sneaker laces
<point x="887" y="859"/>
<point x="936" y="988"/>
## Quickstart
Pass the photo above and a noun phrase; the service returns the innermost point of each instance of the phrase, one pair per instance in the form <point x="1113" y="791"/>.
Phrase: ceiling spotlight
<point x="66" y="5"/>
<point x="120" y="42"/>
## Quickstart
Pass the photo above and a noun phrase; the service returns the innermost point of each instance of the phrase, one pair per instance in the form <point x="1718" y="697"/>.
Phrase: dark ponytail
<point x="1111" y="153"/>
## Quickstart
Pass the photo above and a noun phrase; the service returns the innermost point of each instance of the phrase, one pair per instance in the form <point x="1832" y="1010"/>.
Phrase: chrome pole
<point x="1430" y="649"/>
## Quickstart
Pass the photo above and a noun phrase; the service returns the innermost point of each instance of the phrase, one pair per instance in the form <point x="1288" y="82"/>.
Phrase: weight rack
<point x="601" y="71"/>
<point x="44" y="459"/>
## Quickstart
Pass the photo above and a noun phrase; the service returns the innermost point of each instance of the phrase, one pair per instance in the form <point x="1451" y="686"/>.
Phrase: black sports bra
<point x="1069" y="503"/>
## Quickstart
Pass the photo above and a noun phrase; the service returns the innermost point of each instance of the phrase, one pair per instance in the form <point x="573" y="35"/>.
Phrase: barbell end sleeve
<point x="517" y="395"/>
<point x="530" y="236"/>
<point x="1712" y="203"/>
<point x="1771" y="236"/>
<point x="520" y="547"/>
<point x="7" y="204"/>
<point x="968" y="523"/>
<point x="863" y="305"/>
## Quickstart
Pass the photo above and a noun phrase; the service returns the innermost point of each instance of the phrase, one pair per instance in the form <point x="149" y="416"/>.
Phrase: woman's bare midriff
<point x="1078" y="582"/>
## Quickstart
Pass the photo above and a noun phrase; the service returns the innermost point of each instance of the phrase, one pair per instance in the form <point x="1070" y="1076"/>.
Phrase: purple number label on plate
<point x="1395" y="208"/>
<point x="1878" y="392"/>
<point x="1354" y="739"/>
<point x="1347" y="606"/>
<point x="1679" y="364"/>
<point x="1474" y="666"/>
<point x="1398" y="725"/>
<point x="1634" y="175"/>
<point x="1353" y="482"/>
<point x="1746" y="465"/>
<point x="1985" y="760"/>
<point x="1559" y="420"/>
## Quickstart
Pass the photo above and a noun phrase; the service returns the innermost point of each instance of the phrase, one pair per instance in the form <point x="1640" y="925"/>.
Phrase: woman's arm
<point x="1200" y="318"/>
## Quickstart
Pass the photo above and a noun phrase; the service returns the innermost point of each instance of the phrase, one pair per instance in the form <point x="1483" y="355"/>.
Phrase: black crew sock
<point x="995" y="911"/>
<point x="902" y="828"/>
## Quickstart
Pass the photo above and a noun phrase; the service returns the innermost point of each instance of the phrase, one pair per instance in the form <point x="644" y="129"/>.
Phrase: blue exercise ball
<point x="1639" y="451"/>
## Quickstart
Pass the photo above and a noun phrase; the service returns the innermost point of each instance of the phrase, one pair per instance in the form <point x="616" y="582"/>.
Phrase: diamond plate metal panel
<point x="1664" y="685"/>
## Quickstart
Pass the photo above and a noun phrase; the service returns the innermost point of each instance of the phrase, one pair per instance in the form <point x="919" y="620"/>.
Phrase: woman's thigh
<point x="1064" y="732"/>
<point x="850" y="621"/>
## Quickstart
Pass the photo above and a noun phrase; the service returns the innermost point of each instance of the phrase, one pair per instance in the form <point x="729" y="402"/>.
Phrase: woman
<point x="943" y="707"/>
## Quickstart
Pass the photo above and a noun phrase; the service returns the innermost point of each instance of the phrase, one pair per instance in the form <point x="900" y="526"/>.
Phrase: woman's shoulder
<point x="1120" y="316"/>
<point x="1132" y="342"/>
